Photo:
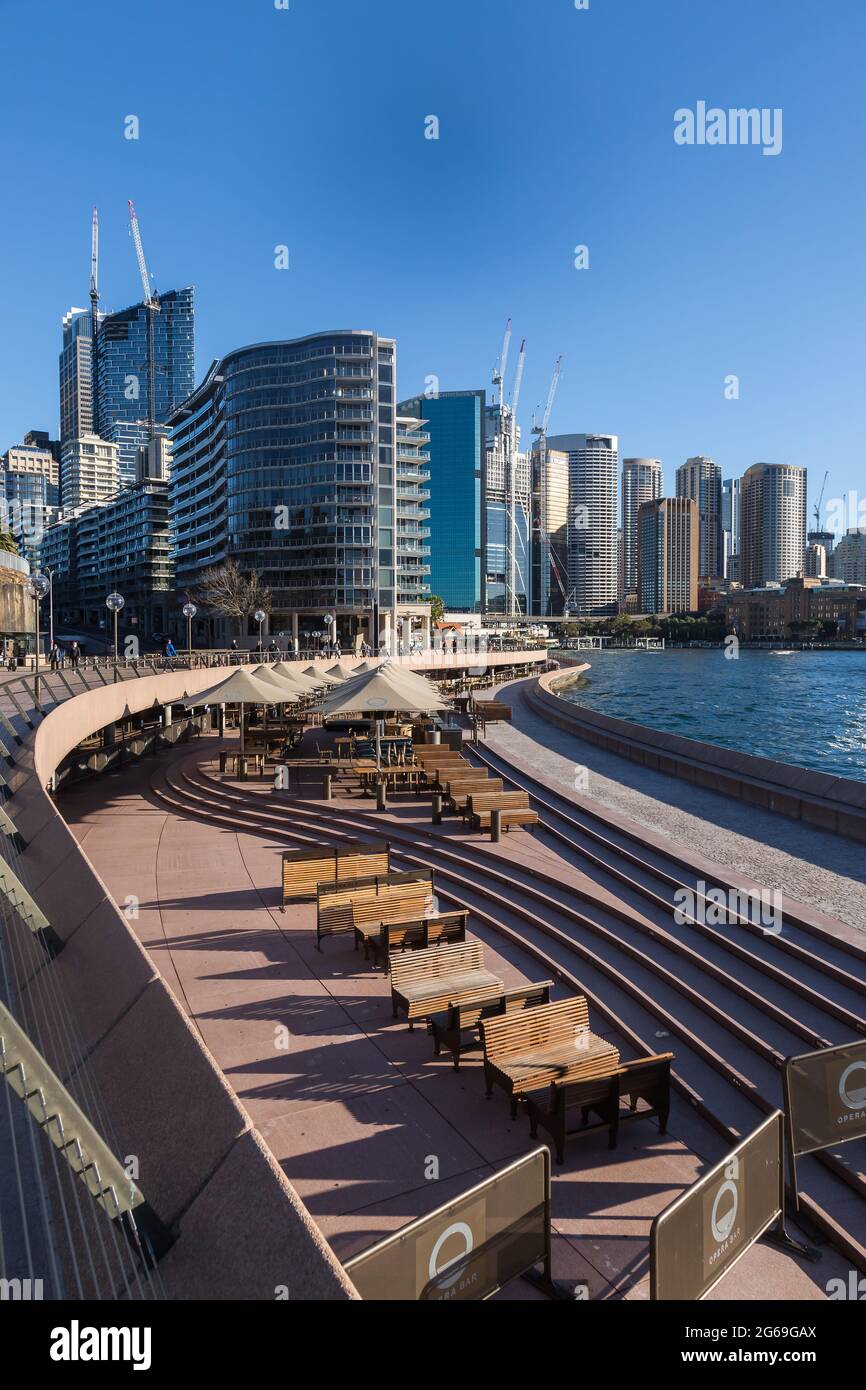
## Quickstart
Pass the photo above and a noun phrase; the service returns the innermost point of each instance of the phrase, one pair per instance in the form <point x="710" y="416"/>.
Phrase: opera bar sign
<point x="701" y="1235"/>
<point x="468" y="1248"/>
<point x="827" y="1097"/>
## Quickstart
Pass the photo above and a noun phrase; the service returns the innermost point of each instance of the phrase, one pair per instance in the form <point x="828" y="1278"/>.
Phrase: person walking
<point x="54" y="656"/>
<point x="75" y="655"/>
<point x="170" y="654"/>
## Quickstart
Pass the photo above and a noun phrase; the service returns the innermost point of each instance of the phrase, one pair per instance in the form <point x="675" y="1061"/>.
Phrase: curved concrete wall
<point x="829" y="803"/>
<point x="243" y="1232"/>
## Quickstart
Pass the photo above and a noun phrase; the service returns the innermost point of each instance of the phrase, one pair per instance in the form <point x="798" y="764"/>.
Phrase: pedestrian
<point x="54" y="656"/>
<point x="233" y="650"/>
<point x="170" y="654"/>
<point x="75" y="655"/>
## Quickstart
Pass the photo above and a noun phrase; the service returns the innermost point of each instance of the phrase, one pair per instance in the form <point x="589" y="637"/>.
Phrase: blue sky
<point x="305" y="127"/>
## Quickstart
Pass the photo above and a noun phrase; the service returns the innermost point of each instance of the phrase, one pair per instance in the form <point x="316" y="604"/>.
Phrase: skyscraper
<point x="641" y="482"/>
<point x="549" y="531"/>
<point x="848" y="561"/>
<point x="122" y="372"/>
<point x="454" y="421"/>
<point x="593" y="466"/>
<point x="76" y="375"/>
<point x="772" y="523"/>
<point x="88" y="471"/>
<point x="30" y="491"/>
<point x="701" y="479"/>
<point x="731" y="527"/>
<point x="668" y="555"/>
<point x="506" y="538"/>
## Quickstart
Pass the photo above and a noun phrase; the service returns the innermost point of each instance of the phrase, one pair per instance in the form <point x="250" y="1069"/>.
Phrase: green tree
<point x="437" y="609"/>
<point x="8" y="542"/>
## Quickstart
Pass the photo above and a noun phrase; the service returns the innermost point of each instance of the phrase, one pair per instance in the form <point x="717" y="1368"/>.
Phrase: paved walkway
<point x="808" y="865"/>
<point x="367" y="1125"/>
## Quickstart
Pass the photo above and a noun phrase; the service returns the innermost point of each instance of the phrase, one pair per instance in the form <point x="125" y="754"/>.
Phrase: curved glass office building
<point x="284" y="460"/>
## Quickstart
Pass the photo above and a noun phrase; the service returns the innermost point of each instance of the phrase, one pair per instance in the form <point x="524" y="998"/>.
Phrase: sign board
<point x="701" y="1235"/>
<point x="470" y="1247"/>
<point x="826" y="1097"/>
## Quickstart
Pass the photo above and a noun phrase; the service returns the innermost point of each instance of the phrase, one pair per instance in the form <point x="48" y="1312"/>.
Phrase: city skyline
<point x="652" y="283"/>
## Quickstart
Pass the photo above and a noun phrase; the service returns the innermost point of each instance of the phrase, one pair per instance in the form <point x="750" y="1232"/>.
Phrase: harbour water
<point x="807" y="708"/>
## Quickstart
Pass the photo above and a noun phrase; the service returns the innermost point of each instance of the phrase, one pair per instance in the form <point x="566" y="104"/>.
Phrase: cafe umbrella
<point x="240" y="688"/>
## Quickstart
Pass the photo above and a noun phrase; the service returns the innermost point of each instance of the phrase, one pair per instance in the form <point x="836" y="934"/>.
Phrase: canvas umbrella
<point x="298" y="680"/>
<point x="380" y="690"/>
<point x="320" y="677"/>
<point x="342" y="673"/>
<point x="240" y="688"/>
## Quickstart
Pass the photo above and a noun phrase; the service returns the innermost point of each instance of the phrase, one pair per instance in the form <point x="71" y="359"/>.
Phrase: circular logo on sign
<point x="373" y="703"/>
<point x="853" y="1097"/>
<point x="723" y="1225"/>
<point x="458" y="1229"/>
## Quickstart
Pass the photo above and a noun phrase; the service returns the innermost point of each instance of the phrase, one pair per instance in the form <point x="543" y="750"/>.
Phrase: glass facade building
<point x="701" y="479"/>
<point x="454" y="421"/>
<point x="285" y="460"/>
<point x="122" y="371"/>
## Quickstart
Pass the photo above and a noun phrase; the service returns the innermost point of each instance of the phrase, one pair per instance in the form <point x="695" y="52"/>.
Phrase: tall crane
<point x="499" y="369"/>
<point x="94" y="315"/>
<point x="151" y="303"/>
<point x="548" y="560"/>
<point x="817" y="512"/>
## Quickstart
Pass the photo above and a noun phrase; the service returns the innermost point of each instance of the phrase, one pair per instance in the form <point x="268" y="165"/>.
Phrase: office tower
<point x="815" y="563"/>
<point x="641" y="482"/>
<point x="89" y="471"/>
<point x="122" y="372"/>
<point x="593" y="461"/>
<point x="30" y="479"/>
<point x="701" y="479"/>
<point x="153" y="461"/>
<point x="412" y="535"/>
<point x="848" y="561"/>
<point x="772" y="523"/>
<point x="668" y="555"/>
<point x="825" y="538"/>
<point x="549" y="531"/>
<point x="284" y="460"/>
<point x="76" y="375"/>
<point x="731" y="527"/>
<point x="506" y="540"/>
<point x="454" y="422"/>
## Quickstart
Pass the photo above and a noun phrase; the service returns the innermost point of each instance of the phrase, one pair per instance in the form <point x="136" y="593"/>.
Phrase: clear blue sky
<point x="306" y="127"/>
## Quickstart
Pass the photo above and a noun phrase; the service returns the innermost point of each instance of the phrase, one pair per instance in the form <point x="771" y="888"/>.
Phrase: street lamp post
<point x="259" y="617"/>
<point x="189" y="612"/>
<point x="37" y="587"/>
<point x="331" y="628"/>
<point x="114" y="603"/>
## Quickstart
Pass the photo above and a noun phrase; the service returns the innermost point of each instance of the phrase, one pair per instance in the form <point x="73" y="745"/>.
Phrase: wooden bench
<point x="305" y="869"/>
<point x="386" y="938"/>
<point x="424" y="983"/>
<point x="646" y="1078"/>
<point x="343" y="907"/>
<point x="513" y="807"/>
<point x="458" y="1030"/>
<point x="458" y="793"/>
<point x="525" y="1051"/>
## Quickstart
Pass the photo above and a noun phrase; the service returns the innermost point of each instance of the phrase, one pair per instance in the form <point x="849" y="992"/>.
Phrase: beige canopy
<point x="240" y="688"/>
<point x="296" y="678"/>
<point x="320" y="677"/>
<point x="380" y="690"/>
<point x="342" y="672"/>
<point x="284" y="692"/>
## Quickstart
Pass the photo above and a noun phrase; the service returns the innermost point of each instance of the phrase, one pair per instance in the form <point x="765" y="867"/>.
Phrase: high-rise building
<point x="412" y="533"/>
<point x="76" y="375"/>
<point x="641" y="482"/>
<point x="772" y="524"/>
<point x="815" y="563"/>
<point x="122" y="372"/>
<point x="701" y="479"/>
<point x="549" y="531"/>
<point x="848" y="561"/>
<point x="668" y="555"/>
<point x="284" y="460"/>
<point x="454" y="422"/>
<point x="731" y="528"/>
<point x="88" y="471"/>
<point x="593" y="467"/>
<point x="506" y="540"/>
<point x="30" y="486"/>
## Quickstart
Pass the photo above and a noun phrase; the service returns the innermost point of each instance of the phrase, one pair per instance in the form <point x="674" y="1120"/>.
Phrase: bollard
<point x="435" y="735"/>
<point x="381" y="788"/>
<point x="496" y="825"/>
<point x="326" y="787"/>
<point x="437" y="808"/>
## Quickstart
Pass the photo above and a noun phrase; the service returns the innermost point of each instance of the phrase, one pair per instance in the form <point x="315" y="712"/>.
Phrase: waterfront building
<point x="412" y="534"/>
<point x="730" y="528"/>
<point x="89" y="471"/>
<point x="815" y="563"/>
<point x="802" y="607"/>
<point x="848" y="561"/>
<point x="507" y="516"/>
<point x="668" y="555"/>
<point x="772" y="524"/>
<point x="549" y="531"/>
<point x="284" y="460"/>
<point x="455" y="424"/>
<point x="641" y="482"/>
<point x="701" y="479"/>
<point x="593" y="467"/>
<point x="123" y="378"/>
<point x="30" y="491"/>
<point x="76" y="375"/>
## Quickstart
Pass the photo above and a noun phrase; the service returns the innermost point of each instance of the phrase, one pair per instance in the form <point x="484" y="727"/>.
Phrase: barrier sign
<point x="826" y="1097"/>
<point x="469" y="1248"/>
<point x="701" y="1235"/>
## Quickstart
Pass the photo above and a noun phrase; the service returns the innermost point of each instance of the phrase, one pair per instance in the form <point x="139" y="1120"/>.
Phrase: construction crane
<point x="499" y="369"/>
<point x="515" y="395"/>
<point x="548" y="560"/>
<point x="94" y="315"/>
<point x="151" y="303"/>
<point x="817" y="513"/>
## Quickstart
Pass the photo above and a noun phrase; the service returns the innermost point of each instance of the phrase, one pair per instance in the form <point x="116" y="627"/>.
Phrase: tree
<point x="437" y="609"/>
<point x="8" y="542"/>
<point x="227" y="590"/>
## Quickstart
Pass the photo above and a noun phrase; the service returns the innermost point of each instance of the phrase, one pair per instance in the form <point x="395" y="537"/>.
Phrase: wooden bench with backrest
<point x="645" y="1078"/>
<point x="458" y="793"/>
<point x="304" y="869"/>
<point x="524" y="1052"/>
<point x="458" y="1029"/>
<point x="491" y="711"/>
<point x="424" y="983"/>
<point x="388" y="938"/>
<point x="435" y="752"/>
<point x="343" y="906"/>
<point x="513" y="807"/>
